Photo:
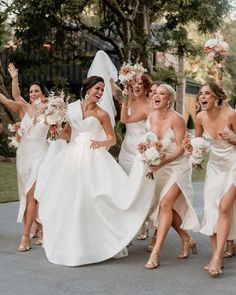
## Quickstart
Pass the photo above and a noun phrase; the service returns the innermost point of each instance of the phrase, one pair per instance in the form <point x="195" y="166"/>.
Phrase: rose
<point x="54" y="119"/>
<point x="149" y="137"/>
<point x="152" y="156"/>
<point x="142" y="148"/>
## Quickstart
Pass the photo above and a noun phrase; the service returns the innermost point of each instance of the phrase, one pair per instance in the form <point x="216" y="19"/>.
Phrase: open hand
<point x="225" y="135"/>
<point x="95" y="144"/>
<point x="12" y="71"/>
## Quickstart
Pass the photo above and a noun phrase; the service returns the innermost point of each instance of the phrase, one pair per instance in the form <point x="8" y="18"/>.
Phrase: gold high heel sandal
<point x="154" y="260"/>
<point x="230" y="249"/>
<point x="35" y="231"/>
<point x="143" y="232"/>
<point x="207" y="266"/>
<point x="187" y="246"/>
<point x="153" y="242"/>
<point x="24" y="244"/>
<point x="39" y="241"/>
<point x="215" y="272"/>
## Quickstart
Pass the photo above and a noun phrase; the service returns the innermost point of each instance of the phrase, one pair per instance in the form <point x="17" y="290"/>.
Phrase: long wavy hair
<point x="216" y="90"/>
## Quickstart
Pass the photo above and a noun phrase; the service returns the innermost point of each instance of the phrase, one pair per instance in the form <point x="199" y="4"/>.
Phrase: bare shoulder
<point x="200" y="115"/>
<point x="176" y="118"/>
<point x="232" y="114"/>
<point x="102" y="115"/>
<point x="151" y="115"/>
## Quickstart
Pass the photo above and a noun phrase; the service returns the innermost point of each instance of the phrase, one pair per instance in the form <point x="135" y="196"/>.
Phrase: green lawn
<point x="8" y="182"/>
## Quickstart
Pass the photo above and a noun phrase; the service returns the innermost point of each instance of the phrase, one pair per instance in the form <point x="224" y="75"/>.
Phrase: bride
<point x="88" y="211"/>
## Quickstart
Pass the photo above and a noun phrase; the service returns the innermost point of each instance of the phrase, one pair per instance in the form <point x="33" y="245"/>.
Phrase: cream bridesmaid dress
<point x="176" y="172"/>
<point x="30" y="154"/>
<point x="220" y="176"/>
<point x="133" y="136"/>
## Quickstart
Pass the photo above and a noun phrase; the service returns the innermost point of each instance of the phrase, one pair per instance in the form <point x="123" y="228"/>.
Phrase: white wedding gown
<point x="30" y="154"/>
<point x="89" y="209"/>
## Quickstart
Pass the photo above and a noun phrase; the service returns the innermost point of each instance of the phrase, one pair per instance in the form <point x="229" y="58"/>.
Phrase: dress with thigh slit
<point x="30" y="154"/>
<point x="220" y="176"/>
<point x="177" y="172"/>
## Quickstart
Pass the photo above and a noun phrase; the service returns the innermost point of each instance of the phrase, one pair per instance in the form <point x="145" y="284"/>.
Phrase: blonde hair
<point x="171" y="91"/>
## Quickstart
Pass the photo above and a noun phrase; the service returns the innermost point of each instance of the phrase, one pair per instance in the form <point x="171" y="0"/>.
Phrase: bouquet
<point x="196" y="149"/>
<point x="216" y="49"/>
<point x="52" y="113"/>
<point x="127" y="73"/>
<point x="18" y="133"/>
<point x="151" y="150"/>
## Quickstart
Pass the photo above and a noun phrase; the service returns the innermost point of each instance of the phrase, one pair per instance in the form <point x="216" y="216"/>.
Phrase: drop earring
<point x="86" y="96"/>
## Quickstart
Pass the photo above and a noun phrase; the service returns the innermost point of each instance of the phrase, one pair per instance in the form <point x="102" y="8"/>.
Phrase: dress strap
<point x="227" y="117"/>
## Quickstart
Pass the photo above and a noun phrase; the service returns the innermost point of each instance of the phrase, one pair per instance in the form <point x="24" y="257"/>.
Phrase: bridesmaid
<point x="217" y="121"/>
<point x="13" y="71"/>
<point x="134" y="114"/>
<point x="173" y="185"/>
<point x="30" y="153"/>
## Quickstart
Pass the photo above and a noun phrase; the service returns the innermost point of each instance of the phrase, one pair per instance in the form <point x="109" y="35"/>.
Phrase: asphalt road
<point x="30" y="273"/>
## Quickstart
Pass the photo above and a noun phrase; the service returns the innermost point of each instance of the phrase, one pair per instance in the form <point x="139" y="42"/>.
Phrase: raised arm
<point x="126" y="118"/>
<point x="17" y="107"/>
<point x="15" y="84"/>
<point x="116" y="91"/>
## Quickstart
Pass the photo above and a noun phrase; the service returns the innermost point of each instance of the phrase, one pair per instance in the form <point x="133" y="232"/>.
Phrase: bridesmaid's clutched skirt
<point x="216" y="185"/>
<point x="179" y="173"/>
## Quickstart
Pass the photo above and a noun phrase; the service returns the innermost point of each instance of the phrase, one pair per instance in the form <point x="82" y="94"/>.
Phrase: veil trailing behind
<point x="102" y="66"/>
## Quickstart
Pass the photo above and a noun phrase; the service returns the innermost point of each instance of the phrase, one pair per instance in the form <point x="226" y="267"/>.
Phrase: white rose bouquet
<point x="151" y="150"/>
<point x="52" y="113"/>
<point x="196" y="150"/>
<point x="127" y="73"/>
<point x="216" y="49"/>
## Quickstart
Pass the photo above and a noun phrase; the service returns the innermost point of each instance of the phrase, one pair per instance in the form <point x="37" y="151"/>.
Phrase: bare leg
<point x="223" y="228"/>
<point x="213" y="243"/>
<point x="166" y="218"/>
<point x="230" y="249"/>
<point x="187" y="241"/>
<point x="29" y="218"/>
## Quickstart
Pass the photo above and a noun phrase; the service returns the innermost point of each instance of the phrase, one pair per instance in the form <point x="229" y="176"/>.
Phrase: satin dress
<point x="220" y="176"/>
<point x="89" y="208"/>
<point x="176" y="172"/>
<point x="128" y="151"/>
<point x="30" y="153"/>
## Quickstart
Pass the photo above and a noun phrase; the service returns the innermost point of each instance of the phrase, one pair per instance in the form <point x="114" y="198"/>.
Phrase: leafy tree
<point x="128" y="25"/>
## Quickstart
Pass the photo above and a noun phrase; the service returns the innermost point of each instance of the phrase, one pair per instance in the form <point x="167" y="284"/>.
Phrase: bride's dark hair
<point x="41" y="86"/>
<point x="89" y="83"/>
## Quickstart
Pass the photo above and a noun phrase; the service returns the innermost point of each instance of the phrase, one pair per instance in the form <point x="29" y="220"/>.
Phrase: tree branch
<point x="97" y="33"/>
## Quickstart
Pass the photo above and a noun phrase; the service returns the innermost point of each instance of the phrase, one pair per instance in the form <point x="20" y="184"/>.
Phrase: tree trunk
<point x="143" y="35"/>
<point x="180" y="93"/>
